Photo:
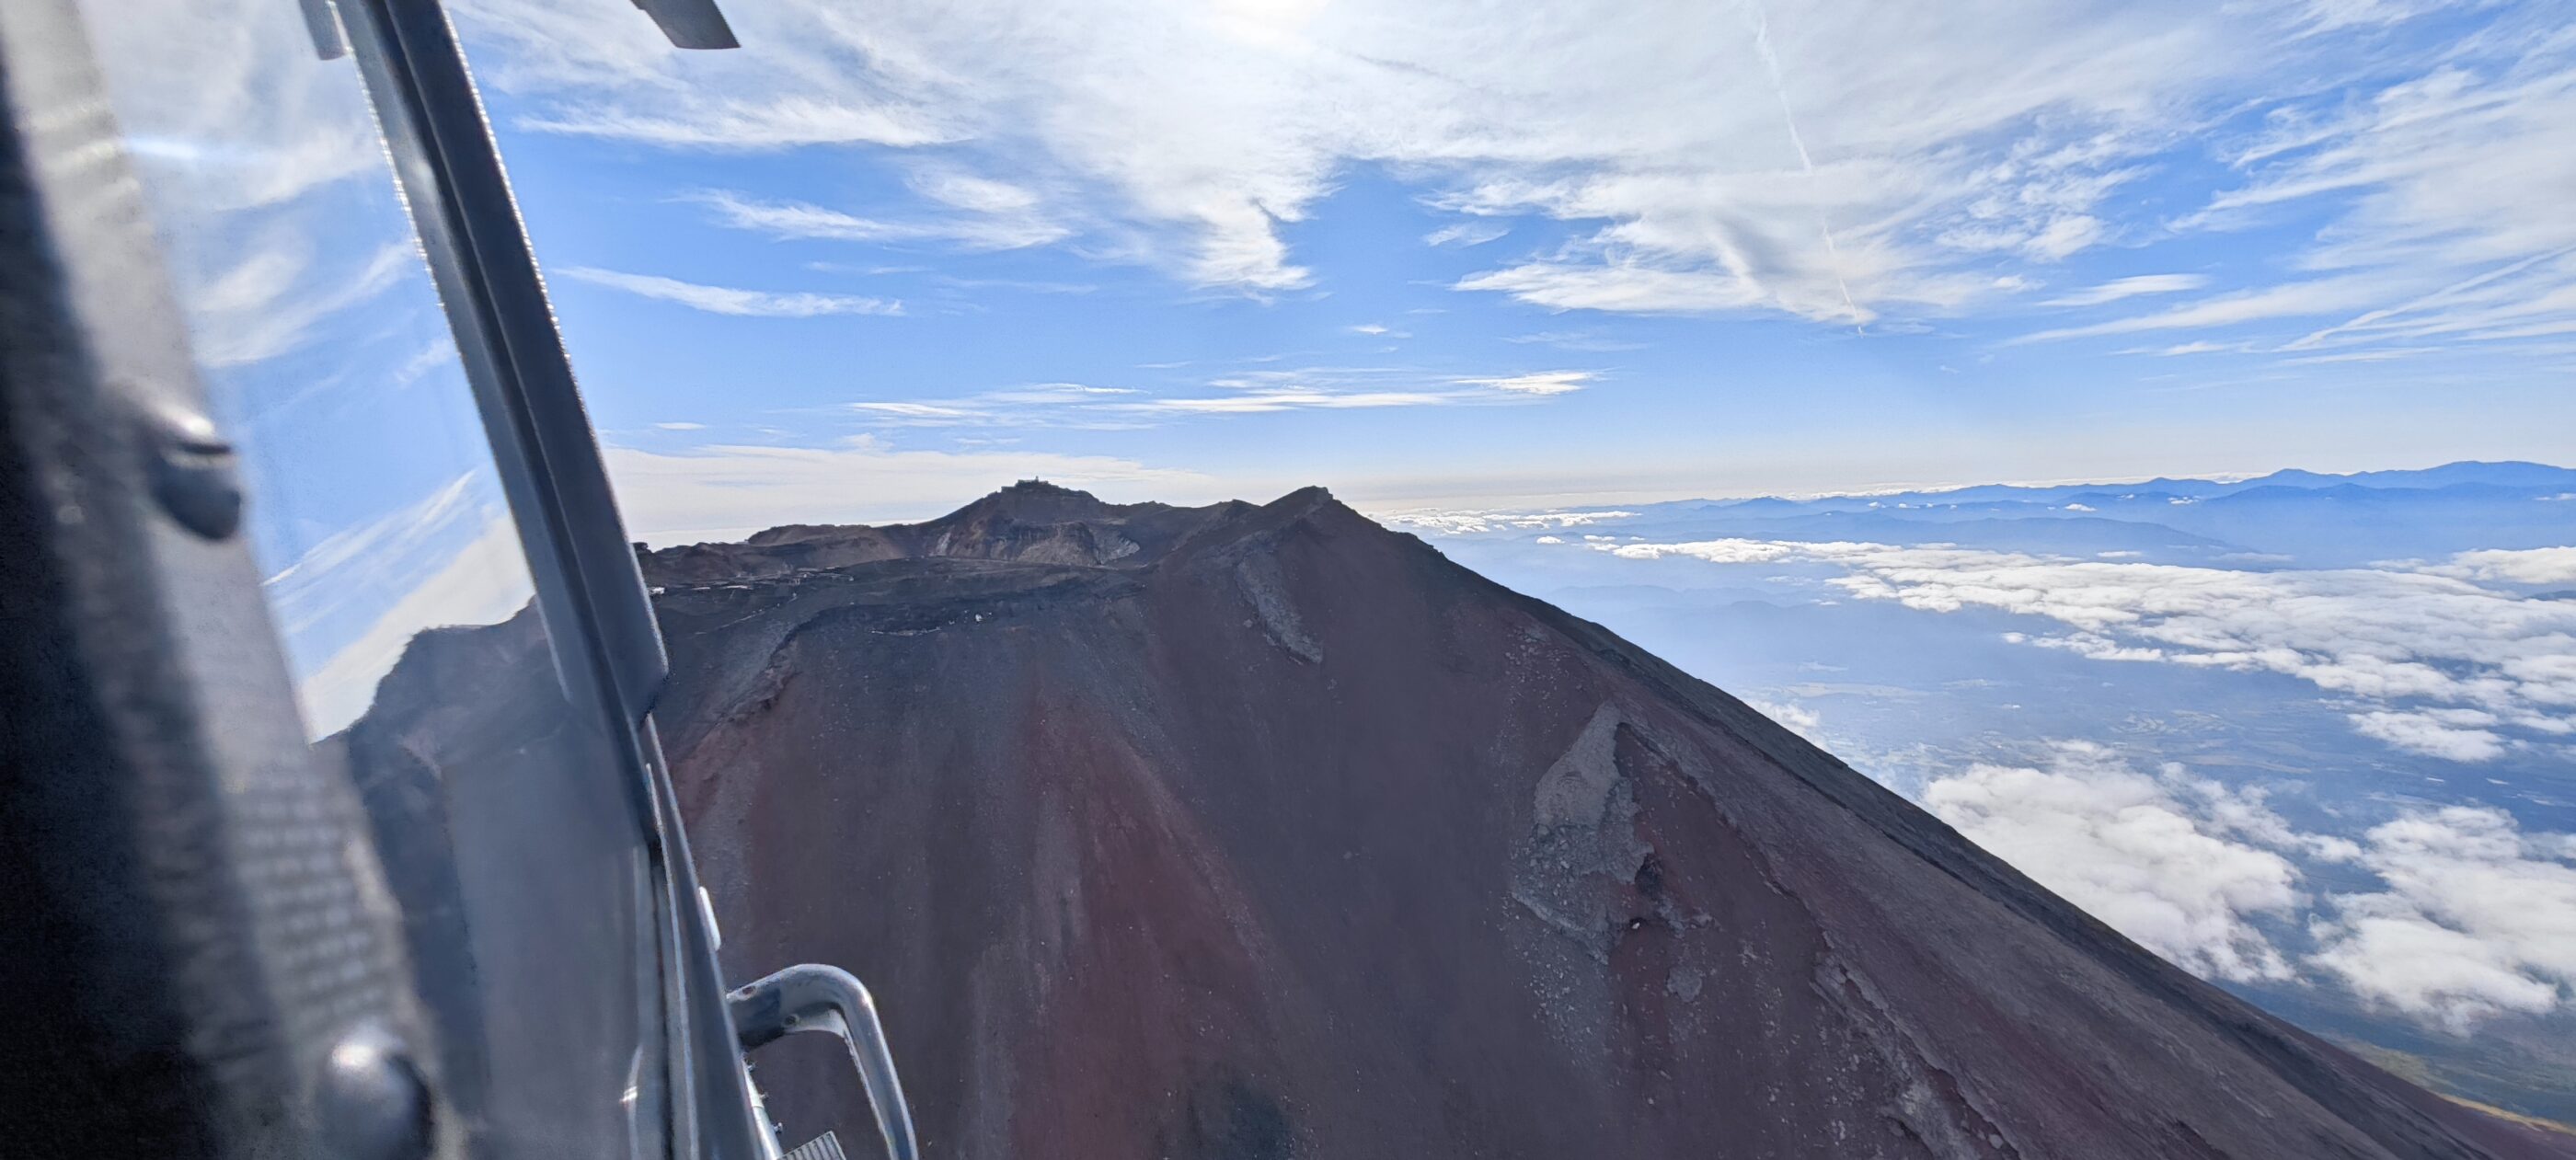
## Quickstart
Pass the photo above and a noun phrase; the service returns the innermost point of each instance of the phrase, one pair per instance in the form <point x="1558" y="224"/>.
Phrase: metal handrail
<point x="815" y="997"/>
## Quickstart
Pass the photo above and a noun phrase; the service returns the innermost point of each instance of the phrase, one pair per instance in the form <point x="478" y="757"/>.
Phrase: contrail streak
<point x="2435" y="298"/>
<point x="1780" y="89"/>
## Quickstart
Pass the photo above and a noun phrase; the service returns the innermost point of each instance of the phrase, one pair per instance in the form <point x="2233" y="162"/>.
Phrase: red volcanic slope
<point x="1265" y="832"/>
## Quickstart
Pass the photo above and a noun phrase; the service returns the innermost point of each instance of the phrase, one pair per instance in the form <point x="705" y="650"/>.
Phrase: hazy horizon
<point x="1378" y="505"/>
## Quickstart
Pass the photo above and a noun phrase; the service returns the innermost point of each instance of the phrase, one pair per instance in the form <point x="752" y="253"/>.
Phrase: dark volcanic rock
<point x="1030" y="521"/>
<point x="1265" y="832"/>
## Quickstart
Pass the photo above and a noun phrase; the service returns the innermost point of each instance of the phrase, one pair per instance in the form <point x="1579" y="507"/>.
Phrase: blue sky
<point x="877" y="261"/>
<point x="884" y="259"/>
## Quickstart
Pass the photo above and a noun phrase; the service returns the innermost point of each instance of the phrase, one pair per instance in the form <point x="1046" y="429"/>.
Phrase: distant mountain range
<point x="2287" y="518"/>
<point x="2509" y="476"/>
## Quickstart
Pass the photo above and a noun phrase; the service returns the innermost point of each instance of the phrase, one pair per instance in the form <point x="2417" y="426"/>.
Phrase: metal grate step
<point x="823" y="1147"/>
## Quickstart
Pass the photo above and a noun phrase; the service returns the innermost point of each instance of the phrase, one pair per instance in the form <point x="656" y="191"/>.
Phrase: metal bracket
<point x="814" y="997"/>
<point x="691" y="23"/>
<point x="323" y="22"/>
<point x="688" y="24"/>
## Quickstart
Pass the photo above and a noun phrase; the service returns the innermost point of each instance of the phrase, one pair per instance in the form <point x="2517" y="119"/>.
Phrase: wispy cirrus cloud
<point x="482" y="581"/>
<point x="747" y="126"/>
<point x="1538" y="382"/>
<point x="1259" y="391"/>
<point x="1842" y="160"/>
<point x="351" y="603"/>
<point x="279" y="294"/>
<point x="1034" y="404"/>
<point x="2195" y="346"/>
<point x="2131" y="287"/>
<point x="926" y="412"/>
<point x="2308" y="299"/>
<point x="2434" y="186"/>
<point x="1264" y="402"/>
<point x="2327" y="15"/>
<point x="997" y="216"/>
<point x="731" y="300"/>
<point x="1843" y="164"/>
<point x="1577" y="340"/>
<point x="1466" y="233"/>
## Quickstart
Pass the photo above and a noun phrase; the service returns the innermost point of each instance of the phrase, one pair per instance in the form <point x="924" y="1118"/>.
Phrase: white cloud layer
<point x="2478" y="919"/>
<point x="2445" y="667"/>
<point x="2134" y="852"/>
<point x="1797" y="718"/>
<point x="2472" y="917"/>
<point x="2450" y="734"/>
<point x="1440" y="522"/>
<point x="2533" y="566"/>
